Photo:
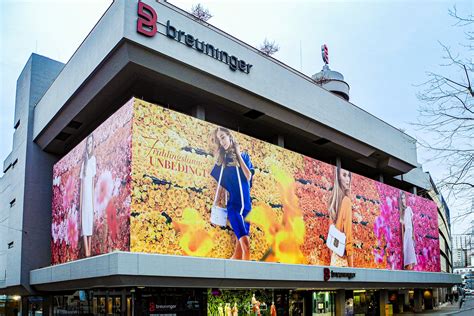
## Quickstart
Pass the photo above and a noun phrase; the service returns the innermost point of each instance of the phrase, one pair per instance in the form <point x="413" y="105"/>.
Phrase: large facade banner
<point x="91" y="192"/>
<point x="179" y="185"/>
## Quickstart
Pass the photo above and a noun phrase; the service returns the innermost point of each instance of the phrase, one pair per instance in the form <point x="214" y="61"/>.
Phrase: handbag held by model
<point x="336" y="240"/>
<point x="219" y="214"/>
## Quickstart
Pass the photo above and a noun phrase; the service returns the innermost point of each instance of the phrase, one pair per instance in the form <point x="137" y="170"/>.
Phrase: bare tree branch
<point x="200" y="12"/>
<point x="461" y="21"/>
<point x="447" y="112"/>
<point x="269" y="48"/>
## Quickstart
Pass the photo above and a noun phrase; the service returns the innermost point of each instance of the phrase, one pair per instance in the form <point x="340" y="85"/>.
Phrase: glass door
<point x="296" y="304"/>
<point x="323" y="303"/>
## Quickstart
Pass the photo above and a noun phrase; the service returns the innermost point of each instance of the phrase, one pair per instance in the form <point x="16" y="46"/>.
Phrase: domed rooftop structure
<point x="331" y="80"/>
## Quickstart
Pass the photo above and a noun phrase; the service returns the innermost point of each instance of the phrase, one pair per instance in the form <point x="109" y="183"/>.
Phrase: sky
<point x="383" y="48"/>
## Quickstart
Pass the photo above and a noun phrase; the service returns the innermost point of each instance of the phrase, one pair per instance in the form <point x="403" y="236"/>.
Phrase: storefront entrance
<point x="96" y="302"/>
<point x="364" y="302"/>
<point x="112" y="305"/>
<point x="154" y="301"/>
<point x="323" y="303"/>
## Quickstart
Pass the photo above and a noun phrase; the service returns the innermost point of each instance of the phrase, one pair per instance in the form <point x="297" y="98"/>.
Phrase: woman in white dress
<point x="408" y="234"/>
<point x="88" y="171"/>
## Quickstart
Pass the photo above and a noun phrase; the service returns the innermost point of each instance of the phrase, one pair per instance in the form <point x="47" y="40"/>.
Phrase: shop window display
<point x="323" y="303"/>
<point x="9" y="305"/>
<point x="246" y="302"/>
<point x="365" y="302"/>
<point x="94" y="302"/>
<point x="297" y="306"/>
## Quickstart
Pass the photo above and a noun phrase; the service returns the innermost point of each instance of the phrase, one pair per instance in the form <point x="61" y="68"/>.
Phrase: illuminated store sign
<point x="328" y="274"/>
<point x="147" y="26"/>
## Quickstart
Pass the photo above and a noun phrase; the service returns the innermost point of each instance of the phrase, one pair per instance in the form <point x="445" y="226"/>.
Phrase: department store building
<point x="150" y="74"/>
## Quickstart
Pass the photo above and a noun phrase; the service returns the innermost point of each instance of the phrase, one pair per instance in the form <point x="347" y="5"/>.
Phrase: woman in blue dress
<point x="236" y="180"/>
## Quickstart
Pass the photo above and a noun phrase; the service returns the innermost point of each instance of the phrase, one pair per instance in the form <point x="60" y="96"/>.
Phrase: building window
<point x="12" y="202"/>
<point x="17" y="124"/>
<point x="10" y="245"/>
<point x="7" y="168"/>
<point x="11" y="165"/>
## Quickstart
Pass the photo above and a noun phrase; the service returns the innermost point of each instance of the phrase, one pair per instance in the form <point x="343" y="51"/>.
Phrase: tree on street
<point x="447" y="112"/>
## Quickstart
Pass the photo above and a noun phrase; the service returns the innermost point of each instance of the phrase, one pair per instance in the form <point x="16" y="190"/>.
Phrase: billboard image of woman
<point x="91" y="193"/>
<point x="233" y="171"/>
<point x="86" y="206"/>
<point x="340" y="213"/>
<point x="408" y="234"/>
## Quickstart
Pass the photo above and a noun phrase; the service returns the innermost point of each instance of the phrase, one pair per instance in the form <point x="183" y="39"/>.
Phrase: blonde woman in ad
<point x="235" y="178"/>
<point x="88" y="171"/>
<point x="340" y="214"/>
<point x="408" y="234"/>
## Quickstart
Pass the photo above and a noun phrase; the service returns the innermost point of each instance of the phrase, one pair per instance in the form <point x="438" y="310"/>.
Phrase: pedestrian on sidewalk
<point x="463" y="295"/>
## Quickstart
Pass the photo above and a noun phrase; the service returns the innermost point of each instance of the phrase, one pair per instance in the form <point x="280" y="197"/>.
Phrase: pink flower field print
<point x="388" y="230"/>
<point x="109" y="194"/>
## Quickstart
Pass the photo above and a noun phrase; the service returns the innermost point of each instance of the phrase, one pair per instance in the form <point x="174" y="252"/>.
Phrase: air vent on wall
<point x="254" y="114"/>
<point x="74" y="124"/>
<point x="63" y="136"/>
<point x="321" y="141"/>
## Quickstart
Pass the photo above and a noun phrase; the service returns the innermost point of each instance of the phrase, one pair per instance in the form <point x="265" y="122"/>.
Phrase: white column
<point x="279" y="140"/>
<point x="199" y="112"/>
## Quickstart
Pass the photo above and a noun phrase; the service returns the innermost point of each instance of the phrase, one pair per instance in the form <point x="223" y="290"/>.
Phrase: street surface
<point x="466" y="310"/>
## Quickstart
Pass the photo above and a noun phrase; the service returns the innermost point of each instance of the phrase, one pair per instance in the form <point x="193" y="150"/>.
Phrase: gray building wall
<point x="26" y="224"/>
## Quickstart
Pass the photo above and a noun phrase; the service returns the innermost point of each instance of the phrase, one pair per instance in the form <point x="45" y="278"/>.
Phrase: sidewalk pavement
<point x="446" y="309"/>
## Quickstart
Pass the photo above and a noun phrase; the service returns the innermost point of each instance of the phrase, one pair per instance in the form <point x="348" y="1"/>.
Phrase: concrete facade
<point x="307" y="100"/>
<point x="25" y="200"/>
<point x="115" y="63"/>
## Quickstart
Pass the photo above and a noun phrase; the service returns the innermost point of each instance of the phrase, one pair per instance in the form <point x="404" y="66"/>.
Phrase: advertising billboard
<point x="91" y="192"/>
<point x="197" y="189"/>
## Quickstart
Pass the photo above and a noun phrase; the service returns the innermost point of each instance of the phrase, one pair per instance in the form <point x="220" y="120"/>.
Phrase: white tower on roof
<point x="329" y="79"/>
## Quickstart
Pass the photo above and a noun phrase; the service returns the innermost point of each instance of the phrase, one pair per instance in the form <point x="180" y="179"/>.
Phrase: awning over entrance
<point x="124" y="269"/>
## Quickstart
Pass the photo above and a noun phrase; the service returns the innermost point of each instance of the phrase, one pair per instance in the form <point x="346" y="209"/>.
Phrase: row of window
<point x="11" y="165"/>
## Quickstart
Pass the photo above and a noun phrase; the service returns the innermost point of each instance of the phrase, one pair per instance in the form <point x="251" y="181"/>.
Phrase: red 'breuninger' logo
<point x="327" y="274"/>
<point x="146" y="22"/>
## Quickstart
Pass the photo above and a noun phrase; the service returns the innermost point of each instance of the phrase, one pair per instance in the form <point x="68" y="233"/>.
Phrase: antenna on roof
<point x="301" y="57"/>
